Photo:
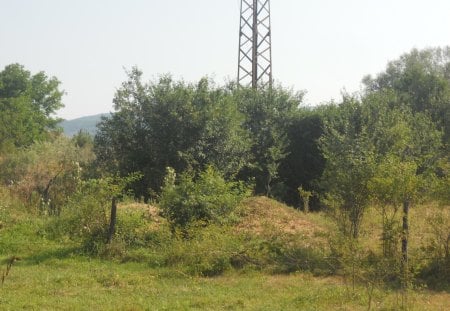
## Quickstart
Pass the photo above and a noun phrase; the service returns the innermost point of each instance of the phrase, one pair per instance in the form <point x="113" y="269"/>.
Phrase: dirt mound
<point x="258" y="215"/>
<point x="261" y="214"/>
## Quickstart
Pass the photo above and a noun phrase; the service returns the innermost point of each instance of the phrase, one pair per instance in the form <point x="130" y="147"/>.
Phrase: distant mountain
<point x="87" y="124"/>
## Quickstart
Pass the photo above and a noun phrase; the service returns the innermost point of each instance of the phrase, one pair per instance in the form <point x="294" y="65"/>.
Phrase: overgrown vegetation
<point x="167" y="184"/>
<point x="207" y="198"/>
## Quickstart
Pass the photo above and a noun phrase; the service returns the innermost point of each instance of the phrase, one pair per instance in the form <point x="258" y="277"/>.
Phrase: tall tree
<point x="304" y="163"/>
<point x="350" y="162"/>
<point x="421" y="80"/>
<point x="269" y="115"/>
<point x="171" y="124"/>
<point x="27" y="106"/>
<point x="412" y="101"/>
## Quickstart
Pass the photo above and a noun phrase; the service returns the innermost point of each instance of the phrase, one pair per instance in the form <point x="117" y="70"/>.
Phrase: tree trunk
<point x="405" y="234"/>
<point x="112" y="222"/>
<point x="268" y="188"/>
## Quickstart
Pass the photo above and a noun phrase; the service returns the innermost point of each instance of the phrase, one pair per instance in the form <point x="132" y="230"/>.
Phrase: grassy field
<point x="54" y="274"/>
<point x="77" y="283"/>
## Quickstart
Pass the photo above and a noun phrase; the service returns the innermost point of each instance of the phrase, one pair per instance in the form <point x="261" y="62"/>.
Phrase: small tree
<point x="305" y="195"/>
<point x="91" y="211"/>
<point x="396" y="184"/>
<point x="350" y="161"/>
<point x="205" y="198"/>
<point x="408" y="146"/>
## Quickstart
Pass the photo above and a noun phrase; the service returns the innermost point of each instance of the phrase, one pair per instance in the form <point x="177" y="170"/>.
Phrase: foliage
<point x="386" y="146"/>
<point x="82" y="139"/>
<point x="437" y="250"/>
<point x="46" y="173"/>
<point x="241" y="132"/>
<point x="27" y="105"/>
<point x="11" y="209"/>
<point x="442" y="182"/>
<point x="210" y="251"/>
<point x="408" y="147"/>
<point x="284" y="253"/>
<point x="395" y="181"/>
<point x="287" y="265"/>
<point x="367" y="136"/>
<point x="304" y="162"/>
<point x="409" y="104"/>
<point x="167" y="123"/>
<point x="208" y="198"/>
<point x="86" y="215"/>
<point x="350" y="163"/>
<point x="421" y="81"/>
<point x="269" y="115"/>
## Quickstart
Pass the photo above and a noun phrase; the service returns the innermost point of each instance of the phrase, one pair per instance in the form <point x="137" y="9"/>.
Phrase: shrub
<point x="208" y="198"/>
<point x="209" y="252"/>
<point x="86" y="216"/>
<point x="437" y="272"/>
<point x="46" y="173"/>
<point x="284" y="254"/>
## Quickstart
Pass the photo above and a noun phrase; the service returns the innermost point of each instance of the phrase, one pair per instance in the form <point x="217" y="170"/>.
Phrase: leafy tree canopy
<point x="421" y="81"/>
<point x="171" y="124"/>
<point x="270" y="117"/>
<point x="27" y="105"/>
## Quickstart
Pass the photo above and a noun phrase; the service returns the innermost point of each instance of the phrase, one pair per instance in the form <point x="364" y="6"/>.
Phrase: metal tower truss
<point x="255" y="46"/>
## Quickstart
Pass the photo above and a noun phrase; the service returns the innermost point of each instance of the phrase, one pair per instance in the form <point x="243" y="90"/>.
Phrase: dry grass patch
<point x="151" y="212"/>
<point x="261" y="213"/>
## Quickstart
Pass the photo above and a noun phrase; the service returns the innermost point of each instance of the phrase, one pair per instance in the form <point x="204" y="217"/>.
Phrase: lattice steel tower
<point x="255" y="44"/>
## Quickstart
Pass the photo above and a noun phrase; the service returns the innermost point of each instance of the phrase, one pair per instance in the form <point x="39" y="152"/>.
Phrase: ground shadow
<point x="60" y="253"/>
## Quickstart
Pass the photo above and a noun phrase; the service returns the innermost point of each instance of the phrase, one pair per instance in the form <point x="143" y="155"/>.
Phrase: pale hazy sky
<point x="321" y="46"/>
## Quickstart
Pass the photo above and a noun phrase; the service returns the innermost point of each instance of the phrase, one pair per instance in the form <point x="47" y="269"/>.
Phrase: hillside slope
<point x="87" y="124"/>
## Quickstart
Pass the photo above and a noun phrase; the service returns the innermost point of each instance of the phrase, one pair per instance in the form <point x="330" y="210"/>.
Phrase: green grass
<point x="54" y="274"/>
<point x="80" y="283"/>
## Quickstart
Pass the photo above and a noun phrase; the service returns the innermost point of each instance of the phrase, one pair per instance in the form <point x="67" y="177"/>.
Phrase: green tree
<point x="350" y="161"/>
<point x="167" y="123"/>
<point x="269" y="114"/>
<point x="421" y="81"/>
<point x="408" y="146"/>
<point x="90" y="214"/>
<point x="442" y="191"/>
<point x="27" y="105"/>
<point x="304" y="163"/>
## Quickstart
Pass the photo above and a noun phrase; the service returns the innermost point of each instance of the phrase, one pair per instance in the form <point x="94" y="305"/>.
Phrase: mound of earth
<point x="261" y="215"/>
<point x="257" y="216"/>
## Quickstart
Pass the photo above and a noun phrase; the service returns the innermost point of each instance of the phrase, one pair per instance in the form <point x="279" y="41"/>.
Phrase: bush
<point x="437" y="272"/>
<point x="209" y="252"/>
<point x="207" y="198"/>
<point x="86" y="216"/>
<point x="284" y="254"/>
<point x="46" y="173"/>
